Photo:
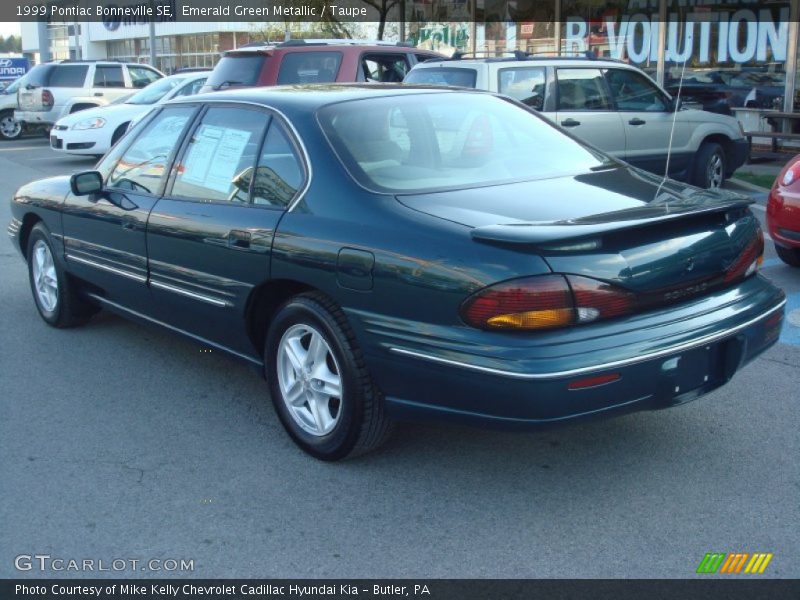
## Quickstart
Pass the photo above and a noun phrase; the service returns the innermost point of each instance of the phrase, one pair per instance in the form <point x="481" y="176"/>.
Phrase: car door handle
<point x="636" y="121"/>
<point x="98" y="93"/>
<point x="239" y="239"/>
<point x="570" y="122"/>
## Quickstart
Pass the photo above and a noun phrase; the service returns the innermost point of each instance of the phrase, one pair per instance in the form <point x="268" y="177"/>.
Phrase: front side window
<point x="279" y="173"/>
<point x="525" y="84"/>
<point x="309" y="67"/>
<point x="383" y="68"/>
<point x="108" y="77"/>
<point x="452" y="76"/>
<point x="581" y="90"/>
<point x="634" y="91"/>
<point x="448" y="141"/>
<point x="219" y="161"/>
<point x="142" y="77"/>
<point x="143" y="164"/>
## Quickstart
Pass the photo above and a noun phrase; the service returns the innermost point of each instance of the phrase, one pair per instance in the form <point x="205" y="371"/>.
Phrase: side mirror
<point x="86" y="183"/>
<point x="675" y="105"/>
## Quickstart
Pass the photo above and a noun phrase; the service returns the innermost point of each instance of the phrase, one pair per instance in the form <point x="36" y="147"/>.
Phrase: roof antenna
<point x="677" y="101"/>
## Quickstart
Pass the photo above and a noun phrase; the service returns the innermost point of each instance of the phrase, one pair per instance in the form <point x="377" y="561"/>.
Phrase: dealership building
<point x="745" y="48"/>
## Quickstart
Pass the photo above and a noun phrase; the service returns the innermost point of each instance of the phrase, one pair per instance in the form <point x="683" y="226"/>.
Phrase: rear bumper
<point x="32" y="118"/>
<point x="783" y="221"/>
<point x="658" y="360"/>
<point x="738" y="154"/>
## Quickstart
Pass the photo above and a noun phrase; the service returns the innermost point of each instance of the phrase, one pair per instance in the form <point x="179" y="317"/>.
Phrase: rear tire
<point x="791" y="256"/>
<point x="10" y="129"/>
<point x="53" y="291"/>
<point x="709" y="166"/>
<point x="319" y="383"/>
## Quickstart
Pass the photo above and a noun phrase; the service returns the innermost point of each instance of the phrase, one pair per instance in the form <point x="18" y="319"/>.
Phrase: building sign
<point x="11" y="68"/>
<point x="740" y="36"/>
<point x="160" y="11"/>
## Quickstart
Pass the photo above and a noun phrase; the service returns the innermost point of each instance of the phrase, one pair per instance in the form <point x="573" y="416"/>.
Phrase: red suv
<point x="314" y="61"/>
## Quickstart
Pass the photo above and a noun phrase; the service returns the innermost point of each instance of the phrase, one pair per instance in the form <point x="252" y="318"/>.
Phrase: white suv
<point x="52" y="90"/>
<point x="611" y="105"/>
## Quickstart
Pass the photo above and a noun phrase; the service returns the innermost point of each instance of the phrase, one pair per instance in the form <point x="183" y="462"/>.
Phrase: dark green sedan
<point x="390" y="253"/>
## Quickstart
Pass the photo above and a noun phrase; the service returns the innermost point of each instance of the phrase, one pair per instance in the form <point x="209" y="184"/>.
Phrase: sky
<point x="7" y="28"/>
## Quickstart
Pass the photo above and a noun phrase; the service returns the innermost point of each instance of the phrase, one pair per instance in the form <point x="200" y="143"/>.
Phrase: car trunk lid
<point x="619" y="225"/>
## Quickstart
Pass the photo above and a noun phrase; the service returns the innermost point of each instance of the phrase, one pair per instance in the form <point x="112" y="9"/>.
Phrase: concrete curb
<point x="748" y="186"/>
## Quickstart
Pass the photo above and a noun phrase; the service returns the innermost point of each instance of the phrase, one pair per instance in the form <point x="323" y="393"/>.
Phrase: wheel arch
<point x="264" y="302"/>
<point x="79" y="106"/>
<point x="28" y="223"/>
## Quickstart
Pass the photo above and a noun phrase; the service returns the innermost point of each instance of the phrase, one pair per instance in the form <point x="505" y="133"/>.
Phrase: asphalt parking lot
<point x="123" y="442"/>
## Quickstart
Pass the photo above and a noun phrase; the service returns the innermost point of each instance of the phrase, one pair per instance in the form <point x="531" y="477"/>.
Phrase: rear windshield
<point x="443" y="76"/>
<point x="68" y="76"/>
<point x="425" y="142"/>
<point x="309" y="67"/>
<point x="236" y="70"/>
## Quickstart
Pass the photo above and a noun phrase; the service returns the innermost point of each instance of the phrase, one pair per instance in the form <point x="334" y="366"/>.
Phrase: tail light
<point x="748" y="261"/>
<point x="47" y="99"/>
<point x="545" y="302"/>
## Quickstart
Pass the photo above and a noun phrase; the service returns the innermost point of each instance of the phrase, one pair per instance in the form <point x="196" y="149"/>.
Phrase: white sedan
<point x="93" y="131"/>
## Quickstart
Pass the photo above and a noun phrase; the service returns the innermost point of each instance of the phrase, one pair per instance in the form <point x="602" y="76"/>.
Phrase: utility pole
<point x="152" y="21"/>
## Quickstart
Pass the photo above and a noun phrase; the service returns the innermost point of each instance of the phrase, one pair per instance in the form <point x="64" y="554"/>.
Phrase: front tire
<point x="709" y="167"/>
<point x="53" y="291"/>
<point x="318" y="381"/>
<point x="791" y="256"/>
<point x="10" y="129"/>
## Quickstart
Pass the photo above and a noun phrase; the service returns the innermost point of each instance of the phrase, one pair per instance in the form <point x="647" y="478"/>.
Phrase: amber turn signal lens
<point x="533" y="319"/>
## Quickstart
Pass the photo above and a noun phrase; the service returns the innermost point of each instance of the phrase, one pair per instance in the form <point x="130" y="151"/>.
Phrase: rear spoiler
<point x="545" y="232"/>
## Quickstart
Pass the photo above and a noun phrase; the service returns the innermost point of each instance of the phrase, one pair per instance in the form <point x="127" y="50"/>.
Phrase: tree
<point x="384" y="7"/>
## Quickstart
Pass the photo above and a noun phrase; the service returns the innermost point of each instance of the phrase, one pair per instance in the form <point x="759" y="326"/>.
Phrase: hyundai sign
<point x="11" y="68"/>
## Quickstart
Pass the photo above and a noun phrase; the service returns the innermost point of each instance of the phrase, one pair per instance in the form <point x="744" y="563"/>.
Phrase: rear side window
<point x="219" y="162"/>
<point x="236" y="70"/>
<point x="108" y="77"/>
<point x="443" y="76"/>
<point x="279" y="173"/>
<point x="38" y="75"/>
<point x="525" y="84"/>
<point x="143" y="164"/>
<point x="68" y="76"/>
<point x="309" y="67"/>
<point x="582" y="89"/>
<point x="383" y="68"/>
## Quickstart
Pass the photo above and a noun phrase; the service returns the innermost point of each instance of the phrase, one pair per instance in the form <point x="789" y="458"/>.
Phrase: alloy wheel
<point x="44" y="276"/>
<point x="309" y="379"/>
<point x="714" y="171"/>
<point x="9" y="128"/>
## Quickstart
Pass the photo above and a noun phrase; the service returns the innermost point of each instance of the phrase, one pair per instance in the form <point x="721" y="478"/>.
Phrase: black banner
<point x="636" y="12"/>
<point x="736" y="588"/>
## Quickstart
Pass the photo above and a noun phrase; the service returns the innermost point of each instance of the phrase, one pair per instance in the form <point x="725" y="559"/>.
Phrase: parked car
<point x="783" y="213"/>
<point x="392" y="252"/>
<point x="94" y="131"/>
<point x="314" y="61"/>
<point x="53" y="90"/>
<point x="10" y="128"/>
<point x="611" y="105"/>
<point x="720" y="90"/>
